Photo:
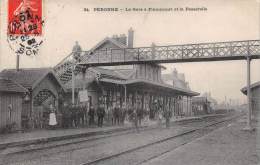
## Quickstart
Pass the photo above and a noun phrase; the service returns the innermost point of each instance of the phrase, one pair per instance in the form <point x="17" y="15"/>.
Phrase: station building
<point x="139" y="85"/>
<point x="134" y="85"/>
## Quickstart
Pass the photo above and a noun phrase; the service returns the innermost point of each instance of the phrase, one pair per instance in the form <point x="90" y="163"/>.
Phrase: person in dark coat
<point x="116" y="114"/>
<point x="65" y="116"/>
<point x="74" y="115"/>
<point x="140" y="113"/>
<point x="123" y="114"/>
<point x="134" y="118"/>
<point x="100" y="113"/>
<point x="91" y="114"/>
<point x="81" y="110"/>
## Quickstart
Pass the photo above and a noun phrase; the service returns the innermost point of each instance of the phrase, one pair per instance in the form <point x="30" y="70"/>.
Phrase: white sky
<point x="224" y="20"/>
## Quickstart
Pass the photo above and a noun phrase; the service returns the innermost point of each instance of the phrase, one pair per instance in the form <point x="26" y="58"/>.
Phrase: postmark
<point x="25" y="44"/>
<point x="25" y="25"/>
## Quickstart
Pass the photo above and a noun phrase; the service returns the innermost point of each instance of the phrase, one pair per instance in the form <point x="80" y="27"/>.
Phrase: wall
<point x="148" y="72"/>
<point x="256" y="99"/>
<point x="15" y="99"/>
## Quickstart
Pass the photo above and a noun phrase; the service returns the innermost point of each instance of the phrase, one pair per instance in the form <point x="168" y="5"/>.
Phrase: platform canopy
<point x="151" y="85"/>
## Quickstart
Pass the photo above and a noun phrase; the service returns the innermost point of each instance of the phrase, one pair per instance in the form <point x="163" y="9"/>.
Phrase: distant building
<point x="177" y="80"/>
<point x="213" y="102"/>
<point x="201" y="105"/>
<point x="255" y="94"/>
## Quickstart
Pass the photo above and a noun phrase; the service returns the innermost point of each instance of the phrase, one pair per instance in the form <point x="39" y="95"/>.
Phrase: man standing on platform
<point x="65" y="116"/>
<point x="91" y="114"/>
<point x="134" y="118"/>
<point x="116" y="114"/>
<point x="123" y="114"/>
<point x="167" y="116"/>
<point x="100" y="113"/>
<point x="74" y="115"/>
<point x="139" y="113"/>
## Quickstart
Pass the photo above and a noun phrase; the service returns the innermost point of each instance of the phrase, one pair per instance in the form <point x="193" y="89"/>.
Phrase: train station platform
<point x="42" y="136"/>
<point x="229" y="145"/>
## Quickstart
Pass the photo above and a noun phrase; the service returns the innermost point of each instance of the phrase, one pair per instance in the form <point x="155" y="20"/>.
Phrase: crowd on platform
<point x="78" y="115"/>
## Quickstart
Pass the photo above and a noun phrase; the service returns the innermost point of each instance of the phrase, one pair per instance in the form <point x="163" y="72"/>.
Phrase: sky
<point x="224" y="20"/>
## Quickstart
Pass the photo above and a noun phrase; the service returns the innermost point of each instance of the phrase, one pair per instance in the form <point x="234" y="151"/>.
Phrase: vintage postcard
<point x="154" y="82"/>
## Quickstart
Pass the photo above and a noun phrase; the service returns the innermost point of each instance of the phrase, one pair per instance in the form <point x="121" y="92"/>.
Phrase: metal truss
<point x="218" y="51"/>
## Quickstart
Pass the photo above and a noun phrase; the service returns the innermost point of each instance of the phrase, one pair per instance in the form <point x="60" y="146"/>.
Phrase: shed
<point x="255" y="95"/>
<point x="44" y="89"/>
<point x="11" y="98"/>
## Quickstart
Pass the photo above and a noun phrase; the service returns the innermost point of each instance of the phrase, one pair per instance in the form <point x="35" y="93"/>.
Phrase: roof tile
<point x="25" y="77"/>
<point x="7" y="85"/>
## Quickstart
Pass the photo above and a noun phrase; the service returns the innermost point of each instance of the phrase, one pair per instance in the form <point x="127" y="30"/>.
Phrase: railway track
<point x="111" y="159"/>
<point x="75" y="143"/>
<point x="48" y="145"/>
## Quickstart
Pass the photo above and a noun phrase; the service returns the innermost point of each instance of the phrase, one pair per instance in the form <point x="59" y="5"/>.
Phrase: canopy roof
<point x="252" y="86"/>
<point x="152" y="85"/>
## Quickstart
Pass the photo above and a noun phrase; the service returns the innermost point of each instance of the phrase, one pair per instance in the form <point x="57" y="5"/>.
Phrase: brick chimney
<point x="130" y="38"/>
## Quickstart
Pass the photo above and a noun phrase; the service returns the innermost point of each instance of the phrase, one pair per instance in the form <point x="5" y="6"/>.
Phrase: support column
<point x="73" y="84"/>
<point x="84" y="78"/>
<point x="249" y="126"/>
<point x="143" y="100"/>
<point x="125" y="95"/>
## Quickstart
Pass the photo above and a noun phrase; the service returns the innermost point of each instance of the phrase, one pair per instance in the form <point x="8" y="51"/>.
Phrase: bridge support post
<point x="73" y="84"/>
<point x="125" y="95"/>
<point x="249" y="126"/>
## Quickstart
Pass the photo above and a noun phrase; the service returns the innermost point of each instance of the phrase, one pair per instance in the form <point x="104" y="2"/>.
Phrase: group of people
<point x="82" y="115"/>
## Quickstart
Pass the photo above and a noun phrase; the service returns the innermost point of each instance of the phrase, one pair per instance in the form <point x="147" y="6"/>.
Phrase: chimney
<point x="130" y="38"/>
<point x="17" y="62"/>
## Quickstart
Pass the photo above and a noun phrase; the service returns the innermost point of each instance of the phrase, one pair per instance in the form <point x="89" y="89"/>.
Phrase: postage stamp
<point x="25" y="17"/>
<point x="25" y="25"/>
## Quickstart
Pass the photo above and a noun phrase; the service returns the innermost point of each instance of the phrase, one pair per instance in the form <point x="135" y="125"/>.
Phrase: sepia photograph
<point x="145" y="82"/>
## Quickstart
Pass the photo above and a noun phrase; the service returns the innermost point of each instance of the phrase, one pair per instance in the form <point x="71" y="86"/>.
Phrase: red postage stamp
<point x="25" y="17"/>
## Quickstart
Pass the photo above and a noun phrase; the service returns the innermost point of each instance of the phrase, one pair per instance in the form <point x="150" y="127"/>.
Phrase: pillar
<point x="73" y="84"/>
<point x="249" y="102"/>
<point x="125" y="95"/>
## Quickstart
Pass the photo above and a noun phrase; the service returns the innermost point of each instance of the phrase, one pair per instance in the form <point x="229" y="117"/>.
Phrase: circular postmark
<point x="25" y="44"/>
